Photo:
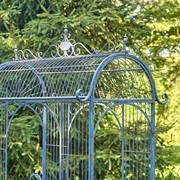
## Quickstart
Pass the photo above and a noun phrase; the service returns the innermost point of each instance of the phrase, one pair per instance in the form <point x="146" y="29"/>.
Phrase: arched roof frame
<point x="112" y="57"/>
<point x="67" y="57"/>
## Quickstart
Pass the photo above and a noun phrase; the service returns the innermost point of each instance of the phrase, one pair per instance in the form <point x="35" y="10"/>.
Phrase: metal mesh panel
<point x="122" y="78"/>
<point x="67" y="141"/>
<point x="122" y="141"/>
<point x="56" y="77"/>
<point x="2" y="144"/>
<point x="110" y="125"/>
<point x="136" y="141"/>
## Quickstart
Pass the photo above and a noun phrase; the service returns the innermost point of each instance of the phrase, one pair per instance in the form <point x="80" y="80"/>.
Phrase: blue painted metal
<point x="6" y="143"/>
<point x="91" y="139"/>
<point x="152" y="143"/>
<point x="44" y="128"/>
<point x="74" y="95"/>
<point x="35" y="175"/>
<point x="123" y="143"/>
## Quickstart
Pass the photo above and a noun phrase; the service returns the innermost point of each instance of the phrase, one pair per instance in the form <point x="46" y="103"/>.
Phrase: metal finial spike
<point x="65" y="29"/>
<point x="124" y="43"/>
<point x="16" y="53"/>
<point x="65" y="35"/>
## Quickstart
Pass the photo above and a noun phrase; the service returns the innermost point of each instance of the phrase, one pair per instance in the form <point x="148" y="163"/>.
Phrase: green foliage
<point x="153" y="31"/>
<point x="24" y="148"/>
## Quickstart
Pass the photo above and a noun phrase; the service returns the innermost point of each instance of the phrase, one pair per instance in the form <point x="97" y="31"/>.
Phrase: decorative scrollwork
<point x="68" y="47"/>
<point x="164" y="96"/>
<point x="111" y="47"/>
<point x="65" y="48"/>
<point x="80" y="95"/>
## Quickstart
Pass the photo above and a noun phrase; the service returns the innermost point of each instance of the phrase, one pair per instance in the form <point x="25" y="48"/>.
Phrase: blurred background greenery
<point x="153" y="30"/>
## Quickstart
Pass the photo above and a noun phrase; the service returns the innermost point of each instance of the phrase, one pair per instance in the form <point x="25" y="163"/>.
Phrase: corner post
<point x="44" y="127"/>
<point x="123" y="139"/>
<point x="152" y="143"/>
<point x="6" y="142"/>
<point x="91" y="139"/>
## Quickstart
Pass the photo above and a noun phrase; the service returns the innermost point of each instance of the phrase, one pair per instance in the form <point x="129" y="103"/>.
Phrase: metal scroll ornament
<point x="65" y="48"/>
<point x="68" y="47"/>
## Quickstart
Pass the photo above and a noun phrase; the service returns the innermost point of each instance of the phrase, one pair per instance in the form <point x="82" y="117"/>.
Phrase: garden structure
<point x="81" y="105"/>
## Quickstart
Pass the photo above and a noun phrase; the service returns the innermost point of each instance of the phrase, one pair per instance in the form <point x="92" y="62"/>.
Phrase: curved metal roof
<point x="115" y="76"/>
<point x="47" y="77"/>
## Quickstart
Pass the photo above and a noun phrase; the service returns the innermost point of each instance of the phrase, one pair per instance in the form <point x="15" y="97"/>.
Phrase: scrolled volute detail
<point x="164" y="97"/>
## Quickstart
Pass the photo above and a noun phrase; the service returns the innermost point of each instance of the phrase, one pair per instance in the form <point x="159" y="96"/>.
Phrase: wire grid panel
<point x="122" y="133"/>
<point x="2" y="143"/>
<point x="117" y="112"/>
<point x="121" y="78"/>
<point x="54" y="77"/>
<point x="67" y="141"/>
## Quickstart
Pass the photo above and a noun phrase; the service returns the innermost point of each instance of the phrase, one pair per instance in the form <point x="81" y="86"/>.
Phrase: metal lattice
<point x="80" y="103"/>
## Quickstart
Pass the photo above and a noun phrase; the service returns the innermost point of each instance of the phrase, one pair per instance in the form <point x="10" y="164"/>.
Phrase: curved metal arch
<point x="86" y="105"/>
<point x="108" y="109"/>
<point x="35" y="175"/>
<point x="77" y="112"/>
<point x="110" y="58"/>
<point x="3" y="105"/>
<point x="39" y="78"/>
<point x="32" y="69"/>
<point x="17" y="109"/>
<point x="138" y="107"/>
<point x="25" y="104"/>
<point x="52" y="113"/>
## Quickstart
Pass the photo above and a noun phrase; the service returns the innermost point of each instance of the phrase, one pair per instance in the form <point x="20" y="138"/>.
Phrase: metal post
<point x="44" y="127"/>
<point x="122" y="142"/>
<point x="6" y="144"/>
<point x="152" y="144"/>
<point x="91" y="140"/>
<point x="68" y="142"/>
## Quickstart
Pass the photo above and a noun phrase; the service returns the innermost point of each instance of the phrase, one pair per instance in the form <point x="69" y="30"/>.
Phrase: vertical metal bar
<point x="1" y="146"/>
<point x="133" y="143"/>
<point x="6" y="143"/>
<point x="145" y="143"/>
<point x="44" y="143"/>
<point x="129" y="139"/>
<point x="86" y="147"/>
<point x="123" y="113"/>
<point x="56" y="137"/>
<point x="68" y="152"/>
<point x="141" y="145"/>
<point x="152" y="143"/>
<point x="60" y="142"/>
<point x="91" y="140"/>
<point x="74" y="156"/>
<point x="137" y="144"/>
<point x="83" y="144"/>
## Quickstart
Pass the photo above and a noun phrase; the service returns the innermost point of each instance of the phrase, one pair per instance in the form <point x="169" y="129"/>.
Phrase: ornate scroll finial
<point x="15" y="53"/>
<point x="65" y="48"/>
<point x="65" y="35"/>
<point x="124" y="44"/>
<point x="65" y="45"/>
<point x="165" y="98"/>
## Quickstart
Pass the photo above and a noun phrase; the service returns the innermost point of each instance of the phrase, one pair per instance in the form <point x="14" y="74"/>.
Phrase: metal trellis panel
<point x="90" y="116"/>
